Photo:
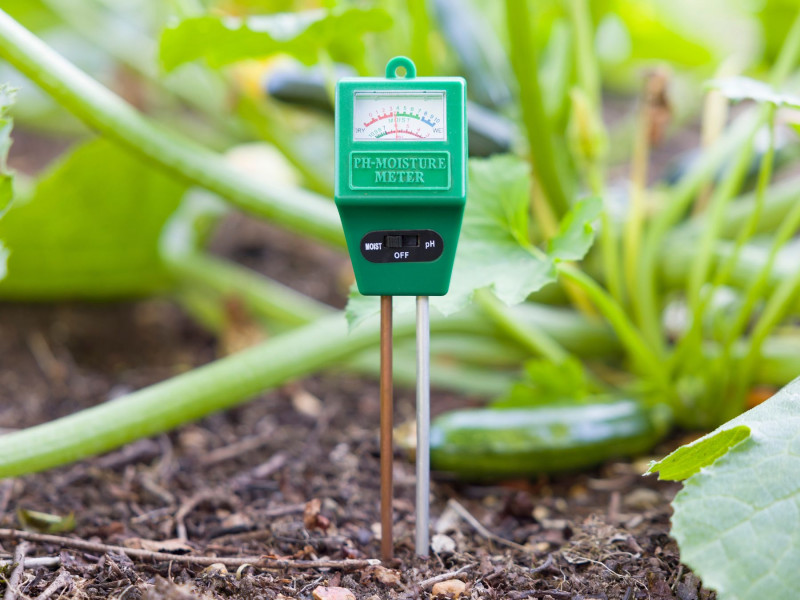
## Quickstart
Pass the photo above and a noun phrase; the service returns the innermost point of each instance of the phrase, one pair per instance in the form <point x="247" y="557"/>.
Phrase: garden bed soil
<point x="294" y="475"/>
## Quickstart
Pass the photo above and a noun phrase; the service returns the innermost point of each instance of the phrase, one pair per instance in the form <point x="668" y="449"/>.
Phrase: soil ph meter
<point x="401" y="187"/>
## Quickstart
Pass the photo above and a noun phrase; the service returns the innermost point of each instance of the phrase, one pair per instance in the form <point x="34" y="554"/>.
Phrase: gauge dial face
<point x="399" y="116"/>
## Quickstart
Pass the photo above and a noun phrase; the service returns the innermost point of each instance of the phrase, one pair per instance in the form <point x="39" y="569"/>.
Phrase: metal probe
<point x="387" y="543"/>
<point x="423" y="424"/>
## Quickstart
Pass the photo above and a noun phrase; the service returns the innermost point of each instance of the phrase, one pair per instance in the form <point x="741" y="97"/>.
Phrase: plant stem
<point x="299" y="211"/>
<point x="721" y="198"/>
<point x="588" y="71"/>
<point x="632" y="237"/>
<point x="637" y="348"/>
<point x="265" y="297"/>
<point x="525" y="63"/>
<point x="186" y="397"/>
<point x="531" y="338"/>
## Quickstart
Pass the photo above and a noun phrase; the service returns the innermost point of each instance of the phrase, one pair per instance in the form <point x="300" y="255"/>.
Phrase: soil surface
<point x="294" y="475"/>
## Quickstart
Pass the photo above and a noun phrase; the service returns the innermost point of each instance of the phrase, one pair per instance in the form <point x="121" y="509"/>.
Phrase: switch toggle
<point x="394" y="241"/>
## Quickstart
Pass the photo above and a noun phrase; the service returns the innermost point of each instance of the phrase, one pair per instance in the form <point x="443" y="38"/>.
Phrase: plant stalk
<point x="297" y="210"/>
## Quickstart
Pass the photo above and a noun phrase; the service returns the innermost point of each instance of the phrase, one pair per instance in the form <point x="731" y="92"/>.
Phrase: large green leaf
<point x="737" y="519"/>
<point x="90" y="229"/>
<point x="494" y="251"/>
<point x="224" y="40"/>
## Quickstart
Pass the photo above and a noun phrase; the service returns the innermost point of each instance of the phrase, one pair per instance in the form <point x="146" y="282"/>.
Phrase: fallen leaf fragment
<point x="452" y="588"/>
<point x="332" y="593"/>
<point x="312" y="519"/>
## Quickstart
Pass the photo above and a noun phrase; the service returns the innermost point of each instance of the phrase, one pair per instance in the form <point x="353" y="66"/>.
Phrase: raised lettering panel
<point x="389" y="170"/>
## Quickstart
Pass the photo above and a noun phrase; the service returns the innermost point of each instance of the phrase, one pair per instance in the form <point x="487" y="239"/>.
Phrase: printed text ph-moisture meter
<point x="401" y="187"/>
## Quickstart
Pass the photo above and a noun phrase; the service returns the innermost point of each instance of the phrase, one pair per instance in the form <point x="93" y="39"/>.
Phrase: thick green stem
<point x="721" y="199"/>
<point x="186" y="397"/>
<point x="535" y="340"/>
<point x="638" y="350"/>
<point x="265" y="297"/>
<point x="297" y="210"/>
<point x="525" y="63"/>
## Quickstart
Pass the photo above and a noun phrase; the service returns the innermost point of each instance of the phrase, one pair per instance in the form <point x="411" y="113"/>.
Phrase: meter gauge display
<point x="399" y="116"/>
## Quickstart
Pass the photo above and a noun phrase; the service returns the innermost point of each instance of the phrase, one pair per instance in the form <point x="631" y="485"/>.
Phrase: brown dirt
<point x="597" y="535"/>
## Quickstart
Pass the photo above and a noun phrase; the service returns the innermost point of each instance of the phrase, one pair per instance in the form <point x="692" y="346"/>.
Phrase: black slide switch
<point x="394" y="241"/>
<point x="411" y="241"/>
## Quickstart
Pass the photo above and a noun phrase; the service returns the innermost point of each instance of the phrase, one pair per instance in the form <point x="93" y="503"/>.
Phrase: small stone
<point x="306" y="403"/>
<point x="386" y="576"/>
<point x="332" y="593"/>
<point x="642" y="499"/>
<point x="443" y="544"/>
<point x="452" y="588"/>
<point x="540" y="513"/>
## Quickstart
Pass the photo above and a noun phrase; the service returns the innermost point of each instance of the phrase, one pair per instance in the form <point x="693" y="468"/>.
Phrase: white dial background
<point x="399" y="116"/>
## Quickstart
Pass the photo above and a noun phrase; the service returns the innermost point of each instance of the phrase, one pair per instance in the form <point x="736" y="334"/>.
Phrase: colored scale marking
<point x="397" y="130"/>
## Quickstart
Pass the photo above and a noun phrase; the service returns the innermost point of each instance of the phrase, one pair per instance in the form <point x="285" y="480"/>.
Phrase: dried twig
<point x="261" y="562"/>
<point x="237" y="449"/>
<point x="12" y="589"/>
<point x="545" y="566"/>
<point x="443" y="577"/>
<point x="64" y="580"/>
<point x="34" y="563"/>
<point x="477" y="526"/>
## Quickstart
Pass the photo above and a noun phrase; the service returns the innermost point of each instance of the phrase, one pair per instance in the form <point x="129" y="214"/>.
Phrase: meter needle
<point x="387" y="544"/>
<point x="423" y="424"/>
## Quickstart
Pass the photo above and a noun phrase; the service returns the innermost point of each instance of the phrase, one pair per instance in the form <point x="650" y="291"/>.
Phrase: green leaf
<point x="745" y="88"/>
<point x="737" y="519"/>
<point x="90" y="229"/>
<point x="546" y="382"/>
<point x="576" y="232"/>
<point x="7" y="98"/>
<point x="32" y="520"/>
<point x="494" y="251"/>
<point x="223" y="40"/>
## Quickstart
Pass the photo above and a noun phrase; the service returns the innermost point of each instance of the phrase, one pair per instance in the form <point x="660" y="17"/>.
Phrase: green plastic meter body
<point x="401" y="178"/>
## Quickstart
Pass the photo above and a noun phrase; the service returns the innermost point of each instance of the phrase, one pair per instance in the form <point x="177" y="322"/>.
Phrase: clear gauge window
<point x="399" y="116"/>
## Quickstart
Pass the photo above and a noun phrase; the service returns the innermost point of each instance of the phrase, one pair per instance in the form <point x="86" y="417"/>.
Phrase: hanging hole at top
<point x="401" y="67"/>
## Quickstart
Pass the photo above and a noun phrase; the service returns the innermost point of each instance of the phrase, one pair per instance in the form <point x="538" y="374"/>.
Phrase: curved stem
<point x="640" y="353"/>
<point x="531" y="338"/>
<point x="302" y="212"/>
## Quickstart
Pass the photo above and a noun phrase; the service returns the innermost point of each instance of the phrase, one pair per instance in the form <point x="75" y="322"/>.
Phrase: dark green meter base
<point x="401" y="178"/>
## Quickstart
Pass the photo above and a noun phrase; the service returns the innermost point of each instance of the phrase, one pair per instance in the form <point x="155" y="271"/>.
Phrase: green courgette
<point x="493" y="443"/>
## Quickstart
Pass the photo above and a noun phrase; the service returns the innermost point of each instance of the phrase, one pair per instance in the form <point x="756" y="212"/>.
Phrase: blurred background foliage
<point x="604" y="97"/>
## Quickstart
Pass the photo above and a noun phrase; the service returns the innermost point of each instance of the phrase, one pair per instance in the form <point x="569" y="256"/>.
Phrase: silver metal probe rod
<point x="423" y="424"/>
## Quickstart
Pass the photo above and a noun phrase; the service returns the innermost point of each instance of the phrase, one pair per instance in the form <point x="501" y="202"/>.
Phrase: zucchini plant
<point x="685" y="299"/>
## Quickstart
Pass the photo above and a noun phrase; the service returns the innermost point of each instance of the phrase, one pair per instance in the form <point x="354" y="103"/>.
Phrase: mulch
<point x="292" y="477"/>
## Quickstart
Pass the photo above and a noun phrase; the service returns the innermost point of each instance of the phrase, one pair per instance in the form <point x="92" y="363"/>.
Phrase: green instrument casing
<point x="401" y="178"/>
